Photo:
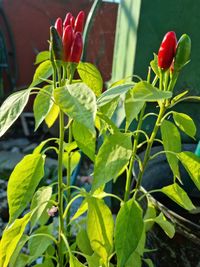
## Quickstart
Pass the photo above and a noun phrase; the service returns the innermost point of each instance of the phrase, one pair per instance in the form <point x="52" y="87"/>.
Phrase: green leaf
<point x="112" y="93"/>
<point x="112" y="158"/>
<point x="109" y="108"/>
<point x="78" y="102"/>
<point x="81" y="210"/>
<point x="178" y="97"/>
<point x="74" y="159"/>
<point x="42" y="104"/>
<point x="85" y="139"/>
<point x="185" y="123"/>
<point x="134" y="260"/>
<point x="52" y="115"/>
<point x="167" y="226"/>
<point x="15" y="255"/>
<point x="10" y="239"/>
<point x="191" y="162"/>
<point x="132" y="108"/>
<point x="74" y="262"/>
<point x="23" y="182"/>
<point x="11" y="109"/>
<point x="22" y="260"/>
<point x="83" y="242"/>
<point x="149" y="262"/>
<point x="128" y="231"/>
<point x="39" y="148"/>
<point x="40" y="202"/>
<point x="144" y="91"/>
<point x="38" y="245"/>
<point x="154" y="65"/>
<point x="178" y="195"/>
<point x="43" y="71"/>
<point x="149" y="215"/>
<point x="171" y="142"/>
<point x="94" y="260"/>
<point x="42" y="56"/>
<point x="91" y="76"/>
<point x="100" y="228"/>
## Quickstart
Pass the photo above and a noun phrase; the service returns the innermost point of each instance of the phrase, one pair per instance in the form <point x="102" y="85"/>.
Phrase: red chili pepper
<point x="77" y="48"/>
<point x="59" y="26"/>
<point x="79" y="22"/>
<point x="67" y="19"/>
<point x="72" y="21"/>
<point x="167" y="50"/>
<point x="67" y="40"/>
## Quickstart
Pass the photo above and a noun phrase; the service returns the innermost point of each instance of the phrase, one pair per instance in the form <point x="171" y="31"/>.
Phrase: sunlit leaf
<point x="167" y="226"/>
<point x="43" y="71"/>
<point x="52" y="115"/>
<point x="185" y="123"/>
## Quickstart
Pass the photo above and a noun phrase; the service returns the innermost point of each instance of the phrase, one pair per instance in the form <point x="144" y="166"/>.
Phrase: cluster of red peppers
<point x="173" y="54"/>
<point x="66" y="38"/>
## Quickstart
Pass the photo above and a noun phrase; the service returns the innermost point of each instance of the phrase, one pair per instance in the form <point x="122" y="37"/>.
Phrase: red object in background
<point x="30" y="21"/>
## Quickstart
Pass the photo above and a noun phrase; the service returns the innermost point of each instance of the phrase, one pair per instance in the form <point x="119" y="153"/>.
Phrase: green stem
<point x="129" y="174"/>
<point x="150" y="143"/>
<point x="60" y="189"/>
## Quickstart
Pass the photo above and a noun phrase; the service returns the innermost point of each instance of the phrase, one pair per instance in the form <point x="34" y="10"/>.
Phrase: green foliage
<point x="12" y="108"/>
<point x="191" y="162"/>
<point x="128" y="231"/>
<point x="178" y="195"/>
<point x="91" y="76"/>
<point x="42" y="104"/>
<point x="39" y="203"/>
<point x="112" y="158"/>
<point x="167" y="226"/>
<point x="43" y="71"/>
<point x="83" y="242"/>
<point x="78" y="102"/>
<point x="10" y="239"/>
<point x="100" y="228"/>
<point x="42" y="56"/>
<point x="171" y="142"/>
<point x="23" y="183"/>
<point x="185" y="123"/>
<point x="85" y="138"/>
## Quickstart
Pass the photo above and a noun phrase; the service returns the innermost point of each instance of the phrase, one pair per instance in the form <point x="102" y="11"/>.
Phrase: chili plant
<point x="100" y="240"/>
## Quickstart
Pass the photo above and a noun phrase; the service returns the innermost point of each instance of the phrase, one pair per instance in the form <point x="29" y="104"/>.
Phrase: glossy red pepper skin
<point x="67" y="19"/>
<point x="167" y="50"/>
<point x="77" y="48"/>
<point x="59" y="26"/>
<point x="67" y="40"/>
<point x="79" y="22"/>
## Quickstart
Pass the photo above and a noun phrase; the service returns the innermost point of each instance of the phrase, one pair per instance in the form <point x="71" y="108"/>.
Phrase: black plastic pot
<point x="184" y="249"/>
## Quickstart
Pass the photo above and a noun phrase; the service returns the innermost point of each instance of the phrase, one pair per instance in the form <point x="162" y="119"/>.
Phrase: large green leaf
<point x="128" y="231"/>
<point x="94" y="260"/>
<point x="16" y="253"/>
<point x="113" y="93"/>
<point x="42" y="104"/>
<point x="132" y="107"/>
<point x="185" y="123"/>
<point x="83" y="242"/>
<point x="39" y="203"/>
<point x="38" y="245"/>
<point x="85" y="138"/>
<point x="42" y="56"/>
<point x="178" y="195"/>
<point x="78" y="102"/>
<point x="74" y="262"/>
<point x="91" y="76"/>
<point x="43" y="71"/>
<point x="23" y="182"/>
<point x="191" y="162"/>
<point x="100" y="228"/>
<point x="167" y="226"/>
<point x="171" y="142"/>
<point x="134" y="260"/>
<point x="112" y="158"/>
<point x="12" y="108"/>
<point x="109" y="108"/>
<point x="144" y="91"/>
<point x="10" y="239"/>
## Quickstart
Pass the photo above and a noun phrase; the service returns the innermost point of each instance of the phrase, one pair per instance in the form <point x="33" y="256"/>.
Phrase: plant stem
<point x="69" y="178"/>
<point x="60" y="189"/>
<point x="150" y="143"/>
<point x="129" y="175"/>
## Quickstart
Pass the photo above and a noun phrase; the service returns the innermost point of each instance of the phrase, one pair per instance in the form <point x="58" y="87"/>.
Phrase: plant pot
<point x="184" y="249"/>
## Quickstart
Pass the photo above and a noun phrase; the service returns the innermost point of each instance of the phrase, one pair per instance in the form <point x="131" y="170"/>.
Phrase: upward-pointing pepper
<point x="167" y="50"/>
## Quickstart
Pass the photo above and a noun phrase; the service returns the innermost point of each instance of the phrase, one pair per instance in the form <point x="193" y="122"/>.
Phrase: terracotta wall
<point x="29" y="23"/>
